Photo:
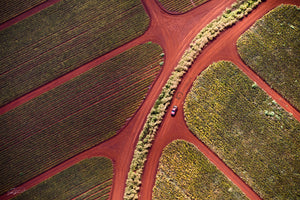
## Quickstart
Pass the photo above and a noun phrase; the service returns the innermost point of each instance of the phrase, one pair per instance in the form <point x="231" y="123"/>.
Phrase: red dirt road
<point x="173" y="33"/>
<point x="223" y="48"/>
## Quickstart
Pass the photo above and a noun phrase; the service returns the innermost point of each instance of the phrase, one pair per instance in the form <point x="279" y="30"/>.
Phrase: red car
<point x="174" y="110"/>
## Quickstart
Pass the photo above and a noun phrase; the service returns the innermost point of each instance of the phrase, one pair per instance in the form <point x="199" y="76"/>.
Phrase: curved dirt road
<point x="173" y="33"/>
<point x="223" y="48"/>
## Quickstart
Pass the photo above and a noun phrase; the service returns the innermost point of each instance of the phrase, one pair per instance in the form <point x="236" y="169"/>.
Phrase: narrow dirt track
<point x="173" y="33"/>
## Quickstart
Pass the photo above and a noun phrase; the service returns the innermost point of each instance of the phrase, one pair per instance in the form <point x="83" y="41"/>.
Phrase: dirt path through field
<point x="223" y="48"/>
<point x="173" y="33"/>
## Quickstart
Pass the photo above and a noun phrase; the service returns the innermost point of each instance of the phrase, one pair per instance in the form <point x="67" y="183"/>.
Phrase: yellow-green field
<point x="247" y="129"/>
<point x="271" y="47"/>
<point x="185" y="173"/>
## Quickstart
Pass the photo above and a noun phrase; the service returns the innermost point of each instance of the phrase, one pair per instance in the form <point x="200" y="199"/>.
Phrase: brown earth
<point x="173" y="33"/>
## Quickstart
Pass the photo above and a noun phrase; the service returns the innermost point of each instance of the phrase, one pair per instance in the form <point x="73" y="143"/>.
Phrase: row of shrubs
<point x="230" y="16"/>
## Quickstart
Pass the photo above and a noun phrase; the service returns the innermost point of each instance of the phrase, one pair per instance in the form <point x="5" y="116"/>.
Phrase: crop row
<point x="75" y="116"/>
<point x="99" y="190"/>
<point x="184" y="171"/>
<point x="231" y="116"/>
<point x="238" y="10"/>
<point x="60" y="39"/>
<point x="89" y="176"/>
<point x="12" y="8"/>
<point x="271" y="48"/>
<point x="180" y="6"/>
<point x="48" y="115"/>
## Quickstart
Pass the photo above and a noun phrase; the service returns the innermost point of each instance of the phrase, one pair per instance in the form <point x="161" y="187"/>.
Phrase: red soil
<point x="173" y="33"/>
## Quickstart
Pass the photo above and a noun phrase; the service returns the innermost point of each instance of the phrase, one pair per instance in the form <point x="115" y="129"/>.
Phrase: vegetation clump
<point x="252" y="134"/>
<point x="271" y="48"/>
<point x="185" y="173"/>
<point x="158" y="111"/>
<point x="90" y="178"/>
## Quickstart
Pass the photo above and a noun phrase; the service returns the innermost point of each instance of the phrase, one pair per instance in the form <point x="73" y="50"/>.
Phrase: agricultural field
<point x="61" y="38"/>
<point x="185" y="173"/>
<point x="247" y="129"/>
<point x="180" y="6"/>
<point x="271" y="48"/>
<point x="88" y="179"/>
<point x="76" y="115"/>
<point x="12" y="8"/>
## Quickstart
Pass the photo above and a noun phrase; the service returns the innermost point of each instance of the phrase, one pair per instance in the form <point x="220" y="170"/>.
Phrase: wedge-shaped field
<point x="89" y="179"/>
<point x="12" y="8"/>
<point x="185" y="173"/>
<point x="63" y="37"/>
<point x="180" y="6"/>
<point x="272" y="49"/>
<point x="75" y="116"/>
<point x="247" y="129"/>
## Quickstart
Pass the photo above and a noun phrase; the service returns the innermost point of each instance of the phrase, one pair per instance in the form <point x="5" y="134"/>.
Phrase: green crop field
<point x="185" y="173"/>
<point x="247" y="129"/>
<point x="12" y="8"/>
<point x="88" y="179"/>
<point x="180" y="6"/>
<point x="272" y="47"/>
<point x="63" y="37"/>
<point x="76" y="115"/>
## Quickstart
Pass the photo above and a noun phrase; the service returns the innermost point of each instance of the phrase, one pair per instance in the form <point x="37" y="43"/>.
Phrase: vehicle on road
<point x="174" y="110"/>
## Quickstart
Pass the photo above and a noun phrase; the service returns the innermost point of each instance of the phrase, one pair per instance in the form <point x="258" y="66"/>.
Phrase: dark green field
<point x="63" y="37"/>
<point x="88" y="179"/>
<point x="76" y="115"/>
<point x="12" y="8"/>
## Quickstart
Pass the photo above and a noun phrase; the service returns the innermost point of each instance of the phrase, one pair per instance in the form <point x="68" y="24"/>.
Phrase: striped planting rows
<point x="49" y="111"/>
<point x="97" y="189"/>
<point x="180" y="6"/>
<point x="50" y="107"/>
<point x="12" y="8"/>
<point x="33" y="59"/>
<point x="76" y="115"/>
<point x="89" y="179"/>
